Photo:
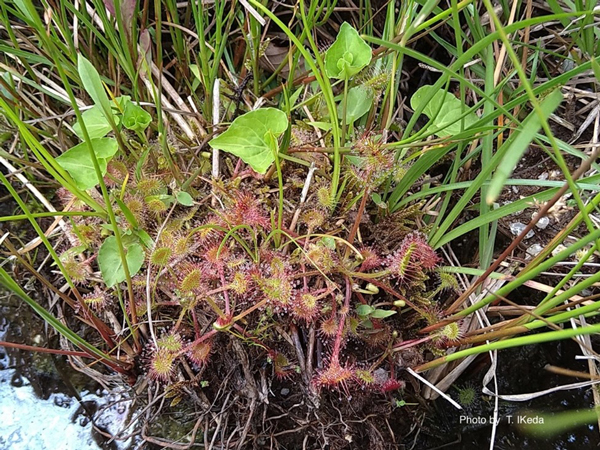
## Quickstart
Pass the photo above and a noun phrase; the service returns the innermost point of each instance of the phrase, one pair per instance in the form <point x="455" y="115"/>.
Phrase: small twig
<point x="216" y="166"/>
<point x="423" y="380"/>
<point x="253" y="12"/>
<point x="247" y="426"/>
<point x="298" y="347"/>
<point x="31" y="348"/>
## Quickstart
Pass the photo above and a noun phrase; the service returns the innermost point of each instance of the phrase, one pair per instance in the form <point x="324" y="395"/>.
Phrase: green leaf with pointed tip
<point x="325" y="126"/>
<point x="78" y="161"/>
<point x="185" y="199"/>
<point x="348" y="55"/>
<point x="382" y="313"/>
<point x="364" y="310"/>
<point x="248" y="137"/>
<point x="197" y="77"/>
<point x="127" y="213"/>
<point x="144" y="238"/>
<point x="111" y="266"/>
<point x="289" y="102"/>
<point x="444" y="110"/>
<point x="92" y="83"/>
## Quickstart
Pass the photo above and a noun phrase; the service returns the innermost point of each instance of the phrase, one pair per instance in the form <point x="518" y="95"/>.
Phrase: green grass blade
<point x="525" y="135"/>
<point x="511" y="343"/>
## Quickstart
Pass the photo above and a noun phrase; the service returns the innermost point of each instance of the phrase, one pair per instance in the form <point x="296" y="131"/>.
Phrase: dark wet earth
<point x="520" y="371"/>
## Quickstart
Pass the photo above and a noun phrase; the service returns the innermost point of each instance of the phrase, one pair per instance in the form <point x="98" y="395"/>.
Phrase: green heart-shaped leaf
<point x="444" y="110"/>
<point x="95" y="121"/>
<point x="111" y="265"/>
<point x="78" y="161"/>
<point x="249" y="137"/>
<point x="364" y="310"/>
<point x="348" y="55"/>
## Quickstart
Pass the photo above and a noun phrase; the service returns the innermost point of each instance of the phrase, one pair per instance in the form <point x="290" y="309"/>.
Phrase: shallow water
<point x="29" y="422"/>
<point x="38" y="415"/>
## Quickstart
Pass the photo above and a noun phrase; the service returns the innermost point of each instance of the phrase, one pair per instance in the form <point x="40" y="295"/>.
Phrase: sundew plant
<point x="268" y="216"/>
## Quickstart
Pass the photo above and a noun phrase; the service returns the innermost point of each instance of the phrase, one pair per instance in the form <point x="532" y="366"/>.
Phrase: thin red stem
<point x="335" y="356"/>
<point x="201" y="339"/>
<point x="225" y="293"/>
<point x="54" y="351"/>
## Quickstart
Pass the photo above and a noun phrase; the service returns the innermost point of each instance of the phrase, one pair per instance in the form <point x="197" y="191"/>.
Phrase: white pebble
<point x="559" y="248"/>
<point x="517" y="228"/>
<point x="543" y="223"/>
<point x="535" y="250"/>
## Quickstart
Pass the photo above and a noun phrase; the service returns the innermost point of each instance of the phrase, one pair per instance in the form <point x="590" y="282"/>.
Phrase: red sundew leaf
<point x="200" y="353"/>
<point x="392" y="385"/>
<point x="335" y="376"/>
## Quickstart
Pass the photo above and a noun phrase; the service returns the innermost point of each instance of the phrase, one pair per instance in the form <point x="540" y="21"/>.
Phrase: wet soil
<point x="519" y="371"/>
